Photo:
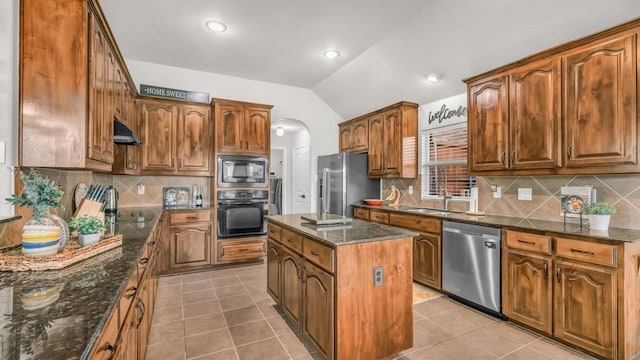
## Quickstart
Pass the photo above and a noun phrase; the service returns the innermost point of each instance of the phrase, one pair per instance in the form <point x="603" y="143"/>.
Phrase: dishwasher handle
<point x="469" y="233"/>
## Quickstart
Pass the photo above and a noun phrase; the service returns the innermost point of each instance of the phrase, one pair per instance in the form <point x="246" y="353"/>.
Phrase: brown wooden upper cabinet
<point x="393" y="142"/>
<point x="569" y="110"/>
<point x="67" y="112"/>
<point x="175" y="138"/>
<point x="354" y="136"/>
<point x="242" y="128"/>
<point x="391" y="137"/>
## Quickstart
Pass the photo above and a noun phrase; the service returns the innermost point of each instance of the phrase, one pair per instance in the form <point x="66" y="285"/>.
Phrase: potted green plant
<point x="89" y="229"/>
<point x="44" y="233"/>
<point x="599" y="215"/>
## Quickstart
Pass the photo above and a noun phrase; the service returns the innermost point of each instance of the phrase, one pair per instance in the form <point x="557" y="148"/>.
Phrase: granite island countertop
<point x="358" y="231"/>
<point x="555" y="227"/>
<point x="58" y="314"/>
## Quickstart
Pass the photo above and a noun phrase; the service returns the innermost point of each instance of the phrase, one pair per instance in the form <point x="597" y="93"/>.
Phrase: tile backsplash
<point x="126" y="185"/>
<point x="621" y="191"/>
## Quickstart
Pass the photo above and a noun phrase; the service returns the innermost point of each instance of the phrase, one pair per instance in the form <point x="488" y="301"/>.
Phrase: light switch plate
<point x="410" y="189"/>
<point x="140" y="189"/>
<point x="525" y="194"/>
<point x="3" y="152"/>
<point x="497" y="193"/>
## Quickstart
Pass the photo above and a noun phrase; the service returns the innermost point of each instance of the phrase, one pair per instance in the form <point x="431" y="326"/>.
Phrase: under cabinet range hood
<point x="122" y="135"/>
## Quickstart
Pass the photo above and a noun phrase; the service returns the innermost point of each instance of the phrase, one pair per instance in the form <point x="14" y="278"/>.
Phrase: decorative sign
<point x="158" y="91"/>
<point x="448" y="111"/>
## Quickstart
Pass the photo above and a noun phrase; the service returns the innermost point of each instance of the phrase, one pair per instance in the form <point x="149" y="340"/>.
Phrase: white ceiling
<point x="387" y="47"/>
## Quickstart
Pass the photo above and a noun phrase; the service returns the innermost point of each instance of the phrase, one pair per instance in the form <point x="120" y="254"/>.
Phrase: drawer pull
<point x="152" y="243"/>
<point x="192" y="218"/>
<point x="144" y="261"/>
<point x="245" y="249"/>
<point x="131" y="292"/>
<point x="289" y="240"/>
<point x="314" y="253"/>
<point x="526" y="242"/>
<point x="583" y="252"/>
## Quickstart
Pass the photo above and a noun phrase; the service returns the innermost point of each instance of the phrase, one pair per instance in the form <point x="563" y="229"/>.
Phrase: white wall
<point x="288" y="101"/>
<point x="8" y="98"/>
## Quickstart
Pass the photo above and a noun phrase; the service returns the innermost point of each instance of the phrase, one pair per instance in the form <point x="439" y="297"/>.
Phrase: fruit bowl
<point x="373" y="201"/>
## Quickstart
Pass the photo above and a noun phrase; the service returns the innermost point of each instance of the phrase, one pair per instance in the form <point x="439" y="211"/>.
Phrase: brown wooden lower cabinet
<point x="319" y="309"/>
<point x="427" y="260"/>
<point x="126" y="333"/>
<point x="327" y="292"/>
<point x="580" y="291"/>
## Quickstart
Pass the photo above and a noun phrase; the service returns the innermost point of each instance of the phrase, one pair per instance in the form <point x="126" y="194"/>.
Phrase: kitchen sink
<point x="427" y="211"/>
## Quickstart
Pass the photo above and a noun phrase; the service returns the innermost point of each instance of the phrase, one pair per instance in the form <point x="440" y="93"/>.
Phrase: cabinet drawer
<point x="105" y="346"/>
<point x="187" y="217"/>
<point x="594" y="253"/>
<point x="127" y="296"/>
<point x="292" y="240"/>
<point x="379" y="217"/>
<point x="530" y="242"/>
<point x="319" y="254"/>
<point x="360" y="213"/>
<point x="274" y="231"/>
<point x="235" y="251"/>
<point x="420" y="223"/>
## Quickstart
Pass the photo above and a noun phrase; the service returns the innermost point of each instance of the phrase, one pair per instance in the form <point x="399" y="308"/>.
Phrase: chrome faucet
<point x="445" y="194"/>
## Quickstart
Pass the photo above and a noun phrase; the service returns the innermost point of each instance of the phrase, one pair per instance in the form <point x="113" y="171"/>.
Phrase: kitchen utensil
<point x="111" y="200"/>
<point x="373" y="201"/>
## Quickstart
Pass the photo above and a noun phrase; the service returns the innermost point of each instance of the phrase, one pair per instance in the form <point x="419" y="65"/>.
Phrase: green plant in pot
<point x="599" y="215"/>
<point x="44" y="233"/>
<point x="89" y="229"/>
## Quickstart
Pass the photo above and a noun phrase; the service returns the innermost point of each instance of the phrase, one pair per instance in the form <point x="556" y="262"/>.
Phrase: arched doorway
<point x="291" y="161"/>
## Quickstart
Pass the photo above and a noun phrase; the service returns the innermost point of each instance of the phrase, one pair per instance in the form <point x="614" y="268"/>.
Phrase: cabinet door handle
<point x="546" y="269"/>
<point x="513" y="157"/>
<point x="558" y="273"/>
<point x="289" y="240"/>
<point x="526" y="242"/>
<point x="142" y="309"/>
<point x="152" y="243"/>
<point x="314" y="253"/>
<point x="504" y="158"/>
<point x="583" y="252"/>
<point x="569" y="151"/>
<point x="131" y="292"/>
<point x="108" y="347"/>
<point x="144" y="261"/>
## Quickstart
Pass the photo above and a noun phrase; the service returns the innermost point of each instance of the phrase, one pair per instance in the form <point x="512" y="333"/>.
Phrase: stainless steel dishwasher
<point x="471" y="261"/>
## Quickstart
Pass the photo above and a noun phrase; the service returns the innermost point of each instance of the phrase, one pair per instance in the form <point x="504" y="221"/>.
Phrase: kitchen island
<point x="347" y="287"/>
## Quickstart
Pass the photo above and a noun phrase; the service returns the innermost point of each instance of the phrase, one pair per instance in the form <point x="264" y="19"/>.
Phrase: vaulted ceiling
<point x="387" y="47"/>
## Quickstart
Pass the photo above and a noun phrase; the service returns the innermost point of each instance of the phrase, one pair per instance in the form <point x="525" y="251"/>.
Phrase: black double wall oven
<point x="242" y="207"/>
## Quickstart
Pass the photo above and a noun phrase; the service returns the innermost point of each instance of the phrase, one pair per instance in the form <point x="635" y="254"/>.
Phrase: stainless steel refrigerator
<point x="342" y="181"/>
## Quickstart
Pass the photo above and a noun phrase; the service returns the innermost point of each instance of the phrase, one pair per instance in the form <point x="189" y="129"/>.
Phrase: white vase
<point x="599" y="222"/>
<point x="88" y="239"/>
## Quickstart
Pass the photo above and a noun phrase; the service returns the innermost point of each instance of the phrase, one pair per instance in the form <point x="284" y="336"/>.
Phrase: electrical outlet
<point x="525" y="194"/>
<point x="3" y="152"/>
<point x="140" y="189"/>
<point x="497" y="193"/>
<point x="410" y="190"/>
<point x="378" y="276"/>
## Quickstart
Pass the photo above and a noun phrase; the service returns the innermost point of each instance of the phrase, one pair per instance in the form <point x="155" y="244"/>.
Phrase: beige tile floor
<point x="227" y="314"/>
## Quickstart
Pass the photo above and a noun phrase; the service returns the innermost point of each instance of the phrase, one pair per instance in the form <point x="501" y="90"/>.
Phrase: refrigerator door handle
<point x="325" y="190"/>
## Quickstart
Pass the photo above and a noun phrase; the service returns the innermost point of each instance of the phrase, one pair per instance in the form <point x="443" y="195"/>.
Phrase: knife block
<point x="89" y="207"/>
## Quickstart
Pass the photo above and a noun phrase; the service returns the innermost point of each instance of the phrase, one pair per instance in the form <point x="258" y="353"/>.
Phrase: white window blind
<point x="444" y="161"/>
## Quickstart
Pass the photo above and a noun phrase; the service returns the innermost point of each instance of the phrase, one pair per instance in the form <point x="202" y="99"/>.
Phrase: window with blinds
<point x="444" y="162"/>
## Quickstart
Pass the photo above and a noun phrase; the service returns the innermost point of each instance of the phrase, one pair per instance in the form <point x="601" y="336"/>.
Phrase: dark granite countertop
<point x="555" y="227"/>
<point x="71" y="307"/>
<point x="355" y="232"/>
<point x="6" y="219"/>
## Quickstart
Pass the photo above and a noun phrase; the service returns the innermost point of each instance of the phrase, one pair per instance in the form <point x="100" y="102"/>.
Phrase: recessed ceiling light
<point x="216" y="26"/>
<point x="330" y="54"/>
<point x="434" y="78"/>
